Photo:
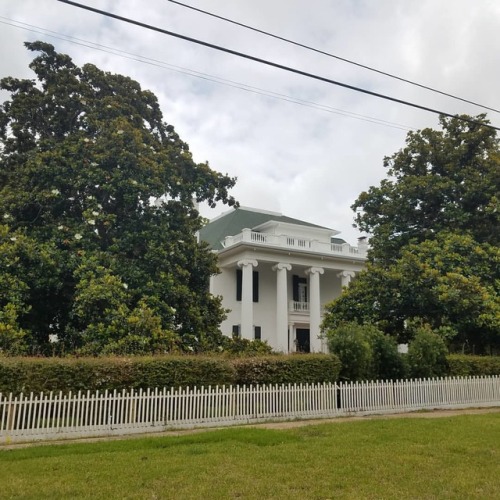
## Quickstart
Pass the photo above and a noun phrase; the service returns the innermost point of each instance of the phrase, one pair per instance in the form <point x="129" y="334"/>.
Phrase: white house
<point x="277" y="273"/>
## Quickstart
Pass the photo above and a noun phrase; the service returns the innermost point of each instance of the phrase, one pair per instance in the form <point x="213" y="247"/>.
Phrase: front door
<point x="303" y="341"/>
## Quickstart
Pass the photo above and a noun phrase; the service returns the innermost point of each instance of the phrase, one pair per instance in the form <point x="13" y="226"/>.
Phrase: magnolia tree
<point x="87" y="259"/>
<point x="435" y="226"/>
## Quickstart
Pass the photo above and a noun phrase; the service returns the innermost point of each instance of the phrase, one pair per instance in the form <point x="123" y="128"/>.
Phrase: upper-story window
<point x="239" y="285"/>
<point x="299" y="289"/>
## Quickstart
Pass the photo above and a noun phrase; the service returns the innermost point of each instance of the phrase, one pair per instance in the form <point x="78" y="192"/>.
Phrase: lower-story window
<point x="257" y="333"/>
<point x="236" y="331"/>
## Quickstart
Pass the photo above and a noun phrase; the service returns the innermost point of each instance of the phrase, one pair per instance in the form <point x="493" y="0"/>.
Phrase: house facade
<point x="277" y="274"/>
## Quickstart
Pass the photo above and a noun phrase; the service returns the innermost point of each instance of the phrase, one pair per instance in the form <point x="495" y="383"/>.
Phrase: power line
<point x="329" y="54"/>
<point x="197" y="74"/>
<point x="273" y="64"/>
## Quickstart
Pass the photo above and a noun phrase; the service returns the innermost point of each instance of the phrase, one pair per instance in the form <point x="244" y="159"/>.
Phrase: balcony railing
<point x="292" y="242"/>
<point x="298" y="307"/>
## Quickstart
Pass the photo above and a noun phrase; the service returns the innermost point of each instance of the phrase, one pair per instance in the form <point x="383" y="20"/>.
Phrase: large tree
<point x="442" y="180"/>
<point x="435" y="226"/>
<point x="101" y="189"/>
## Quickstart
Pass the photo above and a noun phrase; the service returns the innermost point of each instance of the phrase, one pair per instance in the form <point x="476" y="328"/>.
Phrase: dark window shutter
<point x="258" y="333"/>
<point x="255" y="289"/>
<point x="239" y="280"/>
<point x="295" y="288"/>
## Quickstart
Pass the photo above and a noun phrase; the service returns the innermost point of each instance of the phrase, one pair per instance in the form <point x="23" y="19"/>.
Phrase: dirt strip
<point x="289" y="424"/>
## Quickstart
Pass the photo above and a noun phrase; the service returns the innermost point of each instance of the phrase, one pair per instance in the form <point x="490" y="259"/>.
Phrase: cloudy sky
<point x="297" y="145"/>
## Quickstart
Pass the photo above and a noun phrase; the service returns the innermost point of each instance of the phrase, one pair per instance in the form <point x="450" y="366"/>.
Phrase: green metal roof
<point x="231" y="223"/>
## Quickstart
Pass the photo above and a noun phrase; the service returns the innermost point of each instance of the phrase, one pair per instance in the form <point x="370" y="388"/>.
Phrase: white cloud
<point x="307" y="163"/>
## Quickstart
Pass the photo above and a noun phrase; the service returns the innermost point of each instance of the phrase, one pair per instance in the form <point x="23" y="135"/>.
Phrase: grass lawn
<point x="449" y="457"/>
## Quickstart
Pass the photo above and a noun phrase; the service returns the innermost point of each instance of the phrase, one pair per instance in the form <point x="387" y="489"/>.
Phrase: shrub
<point x="244" y="347"/>
<point x="74" y="374"/>
<point x="461" y="365"/>
<point x="81" y="374"/>
<point x="351" y="344"/>
<point x="288" y="369"/>
<point x="387" y="362"/>
<point x="427" y="354"/>
<point x="366" y="353"/>
<point x="12" y="338"/>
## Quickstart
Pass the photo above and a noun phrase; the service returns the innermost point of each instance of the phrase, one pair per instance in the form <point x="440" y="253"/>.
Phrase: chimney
<point x="363" y="244"/>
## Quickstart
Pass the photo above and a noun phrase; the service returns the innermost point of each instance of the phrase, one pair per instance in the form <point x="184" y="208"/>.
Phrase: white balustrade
<point x="293" y="242"/>
<point x="298" y="307"/>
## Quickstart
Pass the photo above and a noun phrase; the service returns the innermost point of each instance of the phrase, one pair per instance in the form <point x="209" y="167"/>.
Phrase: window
<point x="257" y="333"/>
<point x="239" y="285"/>
<point x="299" y="289"/>
<point x="236" y="331"/>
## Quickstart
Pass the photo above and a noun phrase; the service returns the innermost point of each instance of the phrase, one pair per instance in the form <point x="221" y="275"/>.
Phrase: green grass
<point x="449" y="457"/>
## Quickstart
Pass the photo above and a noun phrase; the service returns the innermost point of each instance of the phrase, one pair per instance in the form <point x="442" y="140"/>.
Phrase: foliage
<point x="435" y="235"/>
<point x="441" y="179"/>
<point x="23" y="374"/>
<point x="350" y="342"/>
<point x="75" y="374"/>
<point x="238" y="346"/>
<point x="291" y="369"/>
<point x="427" y="354"/>
<point x="461" y="365"/>
<point x="85" y="253"/>
<point x="450" y="282"/>
<point x="11" y="336"/>
<point x="387" y="362"/>
<point x="365" y="353"/>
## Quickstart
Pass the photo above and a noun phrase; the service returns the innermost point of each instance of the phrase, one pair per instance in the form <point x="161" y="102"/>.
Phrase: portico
<point x="260" y="300"/>
<point x="277" y="276"/>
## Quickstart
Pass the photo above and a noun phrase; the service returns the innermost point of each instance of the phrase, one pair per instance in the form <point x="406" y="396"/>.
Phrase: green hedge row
<point x="291" y="369"/>
<point x="74" y="374"/>
<point x="465" y="365"/>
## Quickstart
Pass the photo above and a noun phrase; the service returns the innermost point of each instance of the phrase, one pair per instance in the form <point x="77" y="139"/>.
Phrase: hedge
<point x="463" y="365"/>
<point x="81" y="374"/>
<point x="288" y="369"/>
<point x="70" y="374"/>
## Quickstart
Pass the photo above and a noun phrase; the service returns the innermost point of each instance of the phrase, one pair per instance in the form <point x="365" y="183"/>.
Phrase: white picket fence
<point x="60" y="416"/>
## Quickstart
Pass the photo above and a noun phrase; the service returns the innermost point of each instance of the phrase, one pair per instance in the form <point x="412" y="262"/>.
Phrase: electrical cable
<point x="197" y="74"/>
<point x="319" y="51"/>
<point x="272" y="64"/>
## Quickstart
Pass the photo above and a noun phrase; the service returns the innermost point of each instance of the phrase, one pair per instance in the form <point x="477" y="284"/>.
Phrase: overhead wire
<point x="197" y="74"/>
<point x="273" y="64"/>
<point x="329" y="54"/>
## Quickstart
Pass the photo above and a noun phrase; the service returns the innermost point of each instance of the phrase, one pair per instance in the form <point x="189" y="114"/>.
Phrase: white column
<point x="247" y="297"/>
<point x="345" y="277"/>
<point x="281" y="335"/>
<point x="314" y="308"/>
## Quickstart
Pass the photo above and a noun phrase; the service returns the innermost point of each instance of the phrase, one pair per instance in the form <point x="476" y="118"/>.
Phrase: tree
<point x="83" y="155"/>
<point x="435" y="251"/>
<point x="451" y="283"/>
<point x="442" y="180"/>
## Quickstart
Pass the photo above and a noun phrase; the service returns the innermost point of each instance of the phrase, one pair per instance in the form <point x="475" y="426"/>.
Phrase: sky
<point x="298" y="146"/>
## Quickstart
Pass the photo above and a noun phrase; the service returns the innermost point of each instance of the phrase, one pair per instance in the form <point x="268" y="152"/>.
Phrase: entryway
<point x="303" y="340"/>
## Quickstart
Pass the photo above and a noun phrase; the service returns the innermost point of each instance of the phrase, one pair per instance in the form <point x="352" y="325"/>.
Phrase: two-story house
<point x="277" y="273"/>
